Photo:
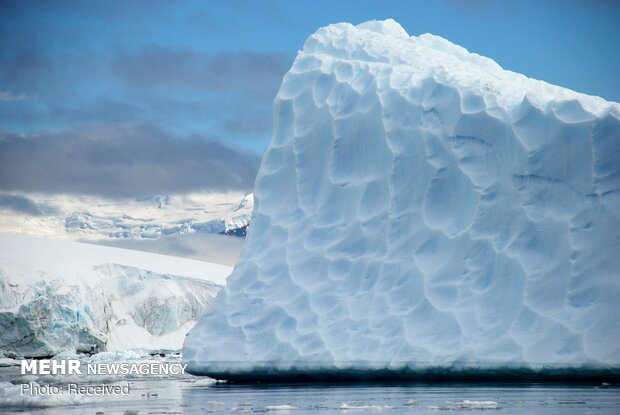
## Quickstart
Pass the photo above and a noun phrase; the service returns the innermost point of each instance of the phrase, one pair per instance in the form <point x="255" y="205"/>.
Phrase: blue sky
<point x="198" y="78"/>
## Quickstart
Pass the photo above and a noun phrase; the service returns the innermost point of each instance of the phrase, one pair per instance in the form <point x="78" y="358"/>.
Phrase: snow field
<point x="61" y="296"/>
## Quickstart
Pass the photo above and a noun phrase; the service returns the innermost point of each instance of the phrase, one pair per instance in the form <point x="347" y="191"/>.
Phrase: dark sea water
<point x="192" y="395"/>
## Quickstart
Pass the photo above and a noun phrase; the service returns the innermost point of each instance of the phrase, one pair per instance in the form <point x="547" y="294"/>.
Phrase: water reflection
<point x="192" y="395"/>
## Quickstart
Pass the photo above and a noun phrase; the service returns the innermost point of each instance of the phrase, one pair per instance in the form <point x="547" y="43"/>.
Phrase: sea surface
<point x="195" y="395"/>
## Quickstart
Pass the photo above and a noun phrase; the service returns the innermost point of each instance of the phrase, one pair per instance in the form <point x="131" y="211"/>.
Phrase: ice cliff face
<point x="419" y="207"/>
<point x="61" y="296"/>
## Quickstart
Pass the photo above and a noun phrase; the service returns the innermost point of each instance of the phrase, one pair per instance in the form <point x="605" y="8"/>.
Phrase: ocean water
<point x="193" y="395"/>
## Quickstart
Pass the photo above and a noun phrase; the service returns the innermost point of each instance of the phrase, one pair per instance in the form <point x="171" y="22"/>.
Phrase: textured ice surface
<point x="420" y="208"/>
<point x="61" y="296"/>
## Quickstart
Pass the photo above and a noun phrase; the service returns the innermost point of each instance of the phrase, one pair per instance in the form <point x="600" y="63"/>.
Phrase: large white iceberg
<point x="422" y="209"/>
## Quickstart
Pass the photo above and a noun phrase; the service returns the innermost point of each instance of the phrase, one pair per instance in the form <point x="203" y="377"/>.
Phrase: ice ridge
<point x="422" y="209"/>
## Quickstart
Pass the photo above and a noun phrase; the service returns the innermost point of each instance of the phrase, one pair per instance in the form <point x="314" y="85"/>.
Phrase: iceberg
<point x="421" y="210"/>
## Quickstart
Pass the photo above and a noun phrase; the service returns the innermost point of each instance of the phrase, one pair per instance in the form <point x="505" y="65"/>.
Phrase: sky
<point x="130" y="98"/>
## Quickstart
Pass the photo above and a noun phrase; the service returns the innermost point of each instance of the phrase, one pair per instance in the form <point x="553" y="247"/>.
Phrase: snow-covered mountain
<point x="63" y="296"/>
<point x="422" y="209"/>
<point x="94" y="218"/>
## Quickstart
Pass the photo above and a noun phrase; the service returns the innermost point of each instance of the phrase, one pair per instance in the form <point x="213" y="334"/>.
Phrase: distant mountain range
<point x="94" y="219"/>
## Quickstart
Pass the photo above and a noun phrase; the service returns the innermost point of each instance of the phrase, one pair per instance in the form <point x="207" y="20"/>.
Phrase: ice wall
<point x="421" y="208"/>
<point x="61" y="296"/>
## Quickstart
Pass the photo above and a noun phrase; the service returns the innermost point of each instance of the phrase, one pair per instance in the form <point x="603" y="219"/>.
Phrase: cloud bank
<point x="128" y="101"/>
<point x="24" y="205"/>
<point x="121" y="161"/>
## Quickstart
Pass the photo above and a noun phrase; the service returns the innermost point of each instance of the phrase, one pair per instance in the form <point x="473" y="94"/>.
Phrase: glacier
<point x="422" y="210"/>
<point x="91" y="218"/>
<point x="67" y="297"/>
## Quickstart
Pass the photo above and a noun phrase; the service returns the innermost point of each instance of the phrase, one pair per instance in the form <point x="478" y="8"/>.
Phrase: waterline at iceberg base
<point x="421" y="211"/>
<point x="384" y="372"/>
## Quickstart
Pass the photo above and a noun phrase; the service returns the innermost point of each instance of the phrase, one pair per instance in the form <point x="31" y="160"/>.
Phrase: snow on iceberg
<point x="421" y="209"/>
<point x="60" y="296"/>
